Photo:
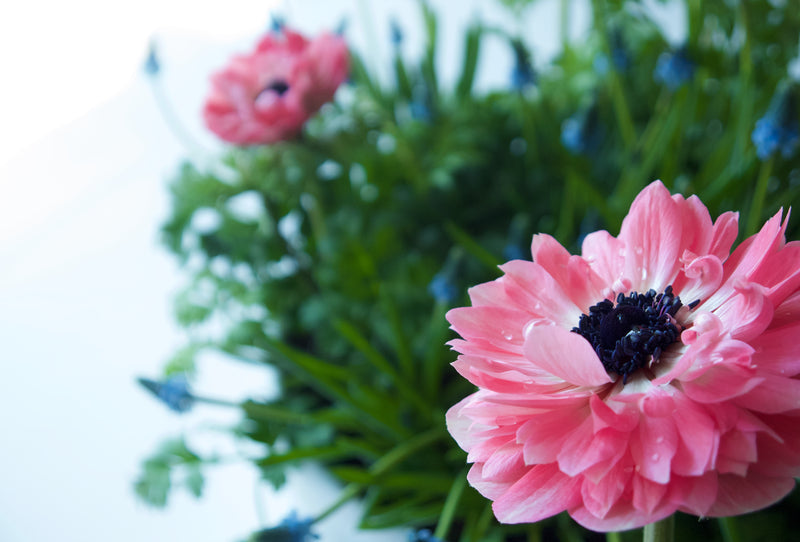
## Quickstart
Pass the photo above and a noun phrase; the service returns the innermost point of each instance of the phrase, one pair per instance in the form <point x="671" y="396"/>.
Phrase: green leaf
<point x="471" y="49"/>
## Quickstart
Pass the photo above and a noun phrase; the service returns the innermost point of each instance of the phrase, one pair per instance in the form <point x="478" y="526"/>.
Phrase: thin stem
<point x="660" y="531"/>
<point x="754" y="216"/>
<point x="382" y="466"/>
<point x="450" y="506"/>
<point x="727" y="527"/>
<point x="564" y="24"/>
<point x="613" y="537"/>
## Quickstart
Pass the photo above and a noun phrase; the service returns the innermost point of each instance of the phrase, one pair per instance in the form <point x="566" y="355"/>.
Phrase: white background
<point x="85" y="289"/>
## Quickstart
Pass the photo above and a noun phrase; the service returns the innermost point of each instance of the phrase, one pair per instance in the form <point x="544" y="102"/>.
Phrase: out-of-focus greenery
<point x="333" y="258"/>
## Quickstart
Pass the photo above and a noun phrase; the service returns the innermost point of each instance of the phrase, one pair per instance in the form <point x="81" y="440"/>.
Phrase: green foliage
<point x="172" y="465"/>
<point x="392" y="185"/>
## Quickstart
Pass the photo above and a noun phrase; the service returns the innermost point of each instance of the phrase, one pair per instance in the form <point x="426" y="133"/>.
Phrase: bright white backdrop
<point x="85" y="289"/>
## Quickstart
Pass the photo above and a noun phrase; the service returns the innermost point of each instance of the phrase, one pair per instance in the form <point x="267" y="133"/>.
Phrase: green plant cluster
<point x="357" y="237"/>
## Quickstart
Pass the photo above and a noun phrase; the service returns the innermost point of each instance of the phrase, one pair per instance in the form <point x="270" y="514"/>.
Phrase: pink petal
<point x="543" y="492"/>
<point x="694" y="494"/>
<point x="724" y="233"/>
<point x="605" y="255"/>
<point x="787" y="312"/>
<point x="573" y="273"/>
<point x="721" y="383"/>
<point x="773" y="395"/>
<point x="566" y="355"/>
<point x="622" y="517"/>
<point x="698" y="439"/>
<point x="778" y="350"/>
<point x="504" y="463"/>
<point x="748" y="312"/>
<point x="489" y="488"/>
<point x="603" y="415"/>
<point x="600" y="497"/>
<point x="542" y="435"/>
<point x="739" y="495"/>
<point x="584" y="449"/>
<point x="653" y="448"/>
<point x="541" y="295"/>
<point x="647" y="495"/>
<point x="652" y="234"/>
<point x="780" y="272"/>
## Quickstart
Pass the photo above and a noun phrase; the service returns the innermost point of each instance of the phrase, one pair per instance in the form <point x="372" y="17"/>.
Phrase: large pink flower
<point x="268" y="95"/>
<point x="655" y="372"/>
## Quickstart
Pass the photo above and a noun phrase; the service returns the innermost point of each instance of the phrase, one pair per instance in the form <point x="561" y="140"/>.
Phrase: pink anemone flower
<point x="267" y="95"/>
<point x="655" y="372"/>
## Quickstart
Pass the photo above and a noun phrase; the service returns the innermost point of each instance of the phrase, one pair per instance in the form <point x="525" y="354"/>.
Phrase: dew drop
<point x="655" y="457"/>
<point x="659" y="440"/>
<point x="508" y="335"/>
<point x="638" y="251"/>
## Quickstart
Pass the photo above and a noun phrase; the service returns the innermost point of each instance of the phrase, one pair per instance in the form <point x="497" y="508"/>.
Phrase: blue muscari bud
<point x="512" y="251"/>
<point x="420" y="107"/>
<point x="673" y="69"/>
<point x="291" y="529"/>
<point x="152" y="66"/>
<point x="342" y="27"/>
<point x="580" y="133"/>
<point x="522" y="74"/>
<point x="778" y="129"/>
<point x="395" y="33"/>
<point x="423" y="535"/>
<point x="276" y="23"/>
<point x="173" y="392"/>
<point x="441" y="287"/>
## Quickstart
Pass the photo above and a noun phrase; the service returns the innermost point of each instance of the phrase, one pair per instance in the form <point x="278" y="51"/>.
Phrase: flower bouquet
<point x="361" y="231"/>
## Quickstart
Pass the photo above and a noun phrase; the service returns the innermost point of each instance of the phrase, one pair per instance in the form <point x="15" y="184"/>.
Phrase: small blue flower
<point x="173" y="392"/>
<point x="673" y="69"/>
<point x="522" y="74"/>
<point x="395" y="33"/>
<point x="442" y="288"/>
<point x="513" y="252"/>
<point x="580" y="133"/>
<point x="423" y="535"/>
<point x="291" y="529"/>
<point x="276" y="23"/>
<point x="342" y="27"/>
<point x="778" y="129"/>
<point x="420" y="105"/>
<point x="152" y="66"/>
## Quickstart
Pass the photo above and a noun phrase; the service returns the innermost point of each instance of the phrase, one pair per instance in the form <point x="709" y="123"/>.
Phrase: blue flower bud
<point x="778" y="129"/>
<point x="291" y="529"/>
<point x="673" y="69"/>
<point x="173" y="392"/>
<point x="152" y="66"/>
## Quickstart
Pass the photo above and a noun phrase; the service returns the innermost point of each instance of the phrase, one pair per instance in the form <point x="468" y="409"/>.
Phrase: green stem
<point x="754" y="216"/>
<point x="564" y="24"/>
<point x="728" y="528"/>
<point x="391" y="459"/>
<point x="660" y="531"/>
<point x="613" y="537"/>
<point x="450" y="506"/>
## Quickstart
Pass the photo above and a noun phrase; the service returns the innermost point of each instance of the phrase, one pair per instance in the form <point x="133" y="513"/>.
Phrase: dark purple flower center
<point x="633" y="332"/>
<point x="278" y="86"/>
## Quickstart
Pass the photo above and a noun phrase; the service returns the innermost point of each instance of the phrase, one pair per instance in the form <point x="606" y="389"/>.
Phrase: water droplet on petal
<point x="655" y="457"/>
<point x="638" y="251"/>
<point x="660" y="439"/>
<point x="508" y="335"/>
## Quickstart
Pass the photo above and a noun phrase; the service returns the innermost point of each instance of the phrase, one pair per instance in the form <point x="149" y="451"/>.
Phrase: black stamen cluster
<point x="279" y="86"/>
<point x="632" y="333"/>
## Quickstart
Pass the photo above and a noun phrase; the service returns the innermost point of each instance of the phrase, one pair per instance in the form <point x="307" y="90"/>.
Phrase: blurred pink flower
<point x="267" y="95"/>
<point x="655" y="372"/>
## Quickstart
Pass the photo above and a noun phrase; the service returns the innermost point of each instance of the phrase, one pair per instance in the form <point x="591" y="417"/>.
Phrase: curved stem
<point x="756" y="208"/>
<point x="660" y="531"/>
